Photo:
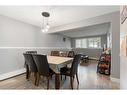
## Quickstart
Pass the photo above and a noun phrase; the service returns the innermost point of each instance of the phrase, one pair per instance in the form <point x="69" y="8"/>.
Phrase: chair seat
<point x="65" y="71"/>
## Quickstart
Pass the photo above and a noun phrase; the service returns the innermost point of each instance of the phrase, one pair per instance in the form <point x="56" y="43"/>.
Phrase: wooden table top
<point x="58" y="60"/>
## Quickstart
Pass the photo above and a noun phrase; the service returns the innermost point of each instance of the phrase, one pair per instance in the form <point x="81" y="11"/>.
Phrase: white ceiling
<point x="94" y="30"/>
<point x="60" y="15"/>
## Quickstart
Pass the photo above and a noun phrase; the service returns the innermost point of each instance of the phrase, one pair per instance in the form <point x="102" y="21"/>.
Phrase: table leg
<point x="57" y="81"/>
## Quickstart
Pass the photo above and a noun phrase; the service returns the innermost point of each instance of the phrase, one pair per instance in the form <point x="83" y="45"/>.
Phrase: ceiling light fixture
<point x="45" y="26"/>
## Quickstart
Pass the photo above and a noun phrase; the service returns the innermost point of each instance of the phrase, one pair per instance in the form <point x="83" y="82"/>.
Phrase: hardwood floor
<point x="88" y="79"/>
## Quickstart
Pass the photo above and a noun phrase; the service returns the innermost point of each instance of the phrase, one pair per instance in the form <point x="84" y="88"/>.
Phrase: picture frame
<point x="123" y="14"/>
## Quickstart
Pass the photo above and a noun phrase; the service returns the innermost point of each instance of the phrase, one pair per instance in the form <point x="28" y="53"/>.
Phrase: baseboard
<point x="11" y="74"/>
<point x="93" y="58"/>
<point x="115" y="80"/>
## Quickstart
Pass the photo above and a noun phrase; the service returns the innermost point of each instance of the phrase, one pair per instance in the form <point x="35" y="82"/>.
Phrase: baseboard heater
<point x="93" y="58"/>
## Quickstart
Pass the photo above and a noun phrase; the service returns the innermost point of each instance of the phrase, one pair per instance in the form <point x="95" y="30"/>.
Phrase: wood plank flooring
<point x="88" y="79"/>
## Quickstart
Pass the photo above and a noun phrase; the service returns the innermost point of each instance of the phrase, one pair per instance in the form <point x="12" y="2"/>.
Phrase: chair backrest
<point x="55" y="53"/>
<point x="74" y="66"/>
<point x="63" y="54"/>
<point x="30" y="62"/>
<point x="71" y="54"/>
<point x="42" y="64"/>
<point x="31" y="52"/>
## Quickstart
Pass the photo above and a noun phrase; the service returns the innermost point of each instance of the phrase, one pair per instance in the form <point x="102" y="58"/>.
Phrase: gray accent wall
<point x="14" y="33"/>
<point x="93" y="30"/>
<point x="16" y="37"/>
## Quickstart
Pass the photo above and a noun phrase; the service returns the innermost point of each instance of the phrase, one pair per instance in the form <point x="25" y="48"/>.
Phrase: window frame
<point x="87" y="42"/>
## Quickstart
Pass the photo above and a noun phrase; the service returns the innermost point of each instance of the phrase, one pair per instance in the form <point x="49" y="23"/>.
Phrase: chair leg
<point x="38" y="78"/>
<point x="77" y="78"/>
<point x="35" y="78"/>
<point x="65" y="77"/>
<point x="61" y="77"/>
<point x="27" y="72"/>
<point x="71" y="81"/>
<point x="51" y="76"/>
<point x="73" y="77"/>
<point x="47" y="82"/>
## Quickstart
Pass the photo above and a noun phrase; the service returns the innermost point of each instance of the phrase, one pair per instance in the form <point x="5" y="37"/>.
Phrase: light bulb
<point x="43" y="30"/>
<point x="47" y="26"/>
<point x="46" y="30"/>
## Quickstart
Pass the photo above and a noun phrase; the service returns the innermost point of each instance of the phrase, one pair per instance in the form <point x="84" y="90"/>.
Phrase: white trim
<point x="11" y="74"/>
<point x="34" y="48"/>
<point x="115" y="80"/>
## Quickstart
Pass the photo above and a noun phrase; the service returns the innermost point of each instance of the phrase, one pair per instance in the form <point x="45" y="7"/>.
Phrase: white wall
<point x="123" y="58"/>
<point x="16" y="37"/>
<point x="109" y="38"/>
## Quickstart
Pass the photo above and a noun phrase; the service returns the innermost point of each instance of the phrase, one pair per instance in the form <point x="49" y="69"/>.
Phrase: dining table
<point x="57" y="62"/>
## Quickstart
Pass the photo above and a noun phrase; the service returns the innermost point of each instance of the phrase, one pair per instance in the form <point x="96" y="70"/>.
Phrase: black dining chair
<point x="73" y="70"/>
<point x="32" y="68"/>
<point x="31" y="52"/>
<point x="55" y="53"/>
<point x="71" y="54"/>
<point x="26" y="64"/>
<point x="43" y="68"/>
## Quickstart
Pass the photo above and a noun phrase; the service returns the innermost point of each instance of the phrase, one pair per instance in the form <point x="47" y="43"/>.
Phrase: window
<point x="78" y="43"/>
<point x="84" y="43"/>
<point x="94" y="42"/>
<point x="81" y="43"/>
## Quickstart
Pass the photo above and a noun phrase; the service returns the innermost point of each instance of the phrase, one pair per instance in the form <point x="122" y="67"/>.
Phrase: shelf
<point x="104" y="64"/>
